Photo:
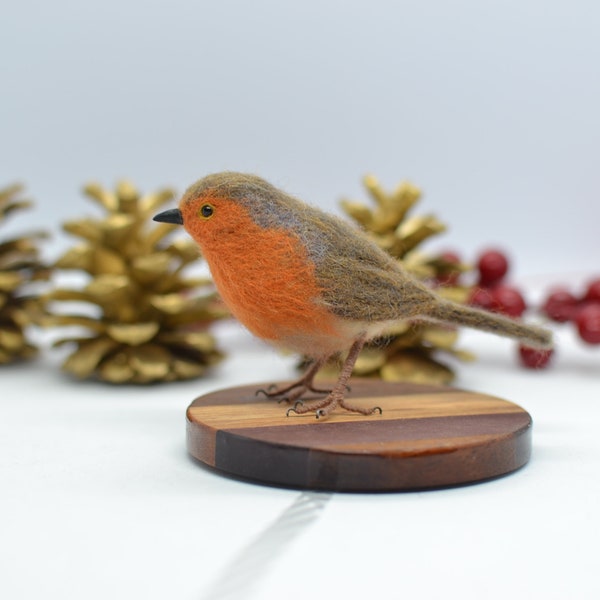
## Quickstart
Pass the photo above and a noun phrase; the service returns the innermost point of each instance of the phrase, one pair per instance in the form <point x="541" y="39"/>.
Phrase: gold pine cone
<point x="20" y="266"/>
<point x="145" y="321"/>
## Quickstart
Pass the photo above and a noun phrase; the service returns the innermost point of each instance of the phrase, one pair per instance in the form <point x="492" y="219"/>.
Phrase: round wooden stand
<point x="427" y="436"/>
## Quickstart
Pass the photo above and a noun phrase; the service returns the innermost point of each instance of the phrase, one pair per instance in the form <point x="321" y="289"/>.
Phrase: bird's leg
<point x="294" y="391"/>
<point x="336" y="397"/>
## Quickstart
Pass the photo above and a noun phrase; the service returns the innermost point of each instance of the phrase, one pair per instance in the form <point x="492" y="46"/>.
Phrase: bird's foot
<point x="322" y="408"/>
<point x="359" y="409"/>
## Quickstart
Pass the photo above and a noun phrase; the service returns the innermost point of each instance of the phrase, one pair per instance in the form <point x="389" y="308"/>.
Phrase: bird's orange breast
<point x="267" y="280"/>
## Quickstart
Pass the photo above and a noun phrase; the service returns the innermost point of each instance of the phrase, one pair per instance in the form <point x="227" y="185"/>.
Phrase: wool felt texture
<point x="283" y="266"/>
<point x="308" y="281"/>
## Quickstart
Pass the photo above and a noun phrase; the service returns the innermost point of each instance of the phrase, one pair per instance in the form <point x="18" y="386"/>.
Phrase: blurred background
<point x="491" y="107"/>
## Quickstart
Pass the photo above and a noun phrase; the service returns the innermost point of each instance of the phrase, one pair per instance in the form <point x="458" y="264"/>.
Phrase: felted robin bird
<point x="307" y="281"/>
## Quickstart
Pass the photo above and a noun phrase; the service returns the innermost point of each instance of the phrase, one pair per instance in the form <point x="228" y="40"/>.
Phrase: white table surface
<point x="100" y="500"/>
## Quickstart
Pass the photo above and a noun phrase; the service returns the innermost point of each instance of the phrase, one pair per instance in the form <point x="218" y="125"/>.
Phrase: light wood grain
<point x="270" y="413"/>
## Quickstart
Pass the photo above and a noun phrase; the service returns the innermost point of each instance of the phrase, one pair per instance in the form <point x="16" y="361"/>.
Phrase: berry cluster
<point x="491" y="292"/>
<point x="584" y="312"/>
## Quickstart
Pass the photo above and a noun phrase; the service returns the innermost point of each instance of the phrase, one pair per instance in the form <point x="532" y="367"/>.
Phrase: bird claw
<point x="269" y="392"/>
<point x="294" y="409"/>
<point x="272" y="393"/>
<point x="375" y="409"/>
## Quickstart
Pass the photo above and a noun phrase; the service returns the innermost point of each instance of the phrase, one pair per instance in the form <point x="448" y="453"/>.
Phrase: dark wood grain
<point x="427" y="436"/>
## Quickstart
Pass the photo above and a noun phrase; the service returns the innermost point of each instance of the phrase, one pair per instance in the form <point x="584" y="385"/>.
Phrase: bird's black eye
<point x="206" y="211"/>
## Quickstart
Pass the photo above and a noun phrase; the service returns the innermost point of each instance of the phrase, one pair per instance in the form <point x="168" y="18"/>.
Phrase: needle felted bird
<point x="309" y="282"/>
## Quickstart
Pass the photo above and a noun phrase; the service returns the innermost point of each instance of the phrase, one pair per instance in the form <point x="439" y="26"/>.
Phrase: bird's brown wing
<point x="359" y="280"/>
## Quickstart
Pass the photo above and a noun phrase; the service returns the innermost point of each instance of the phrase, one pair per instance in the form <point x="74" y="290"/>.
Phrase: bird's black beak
<point x="173" y="215"/>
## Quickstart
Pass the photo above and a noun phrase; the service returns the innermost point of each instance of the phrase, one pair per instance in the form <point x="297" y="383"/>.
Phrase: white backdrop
<point x="491" y="107"/>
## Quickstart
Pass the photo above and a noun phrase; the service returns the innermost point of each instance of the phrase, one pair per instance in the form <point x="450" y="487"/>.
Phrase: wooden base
<point x="427" y="436"/>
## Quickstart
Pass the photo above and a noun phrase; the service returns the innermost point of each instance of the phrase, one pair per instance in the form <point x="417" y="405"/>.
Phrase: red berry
<point x="534" y="358"/>
<point x="560" y="306"/>
<point x="508" y="301"/>
<point x="492" y="266"/>
<point x="592" y="293"/>
<point x="482" y="298"/>
<point x="588" y="323"/>
<point x="448" y="275"/>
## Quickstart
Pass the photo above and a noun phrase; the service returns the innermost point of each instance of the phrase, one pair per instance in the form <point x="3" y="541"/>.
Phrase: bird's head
<point x="225" y="203"/>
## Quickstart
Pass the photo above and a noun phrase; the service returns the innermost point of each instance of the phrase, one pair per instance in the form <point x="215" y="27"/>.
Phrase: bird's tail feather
<point x="457" y="314"/>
